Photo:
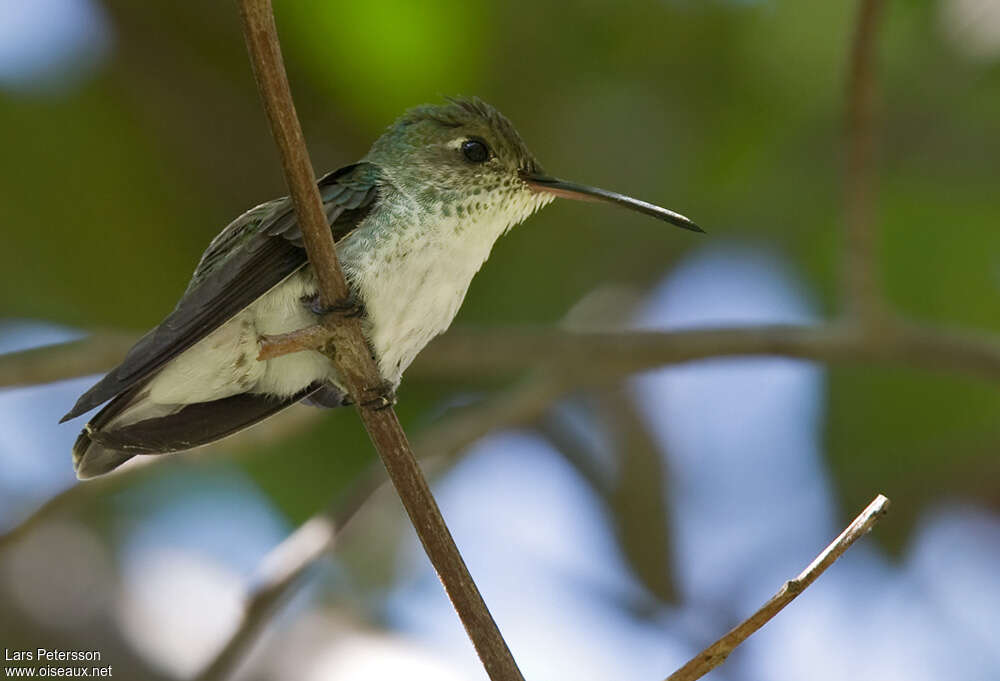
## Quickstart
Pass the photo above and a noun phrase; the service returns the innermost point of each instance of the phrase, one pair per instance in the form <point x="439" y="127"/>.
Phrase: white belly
<point x="224" y="363"/>
<point x="413" y="284"/>
<point x="412" y="280"/>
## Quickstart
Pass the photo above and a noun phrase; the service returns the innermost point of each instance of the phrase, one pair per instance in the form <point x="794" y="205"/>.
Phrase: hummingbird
<point x="413" y="221"/>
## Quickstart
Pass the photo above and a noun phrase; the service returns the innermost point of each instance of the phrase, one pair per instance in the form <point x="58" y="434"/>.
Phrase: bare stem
<point x="353" y="359"/>
<point x="715" y="654"/>
<point x="468" y="353"/>
<point x="95" y="353"/>
<point x="280" y="573"/>
<point x="585" y="359"/>
<point x="309" y="338"/>
<point x="861" y="276"/>
<point x="570" y="358"/>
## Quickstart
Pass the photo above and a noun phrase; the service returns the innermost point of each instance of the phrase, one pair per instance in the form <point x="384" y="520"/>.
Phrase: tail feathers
<point x="91" y="458"/>
<point x="107" y="443"/>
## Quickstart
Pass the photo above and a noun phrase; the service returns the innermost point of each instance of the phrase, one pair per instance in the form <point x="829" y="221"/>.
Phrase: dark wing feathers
<point x="97" y="452"/>
<point x="347" y="195"/>
<point x="196" y="424"/>
<point x="252" y="255"/>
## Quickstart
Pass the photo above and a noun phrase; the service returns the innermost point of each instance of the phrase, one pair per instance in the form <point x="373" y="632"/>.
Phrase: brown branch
<point x="586" y="359"/>
<point x="352" y="357"/>
<point x="574" y="361"/>
<point x="275" y="580"/>
<point x="467" y="352"/>
<point x="714" y="655"/>
<point x="862" y="287"/>
<point x="470" y="352"/>
<point x="578" y="361"/>
<point x="309" y="338"/>
<point x="93" y="354"/>
<point x="284" y="565"/>
<point x="280" y="573"/>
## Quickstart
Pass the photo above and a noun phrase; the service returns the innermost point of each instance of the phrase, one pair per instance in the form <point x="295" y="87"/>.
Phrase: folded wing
<point x="252" y="255"/>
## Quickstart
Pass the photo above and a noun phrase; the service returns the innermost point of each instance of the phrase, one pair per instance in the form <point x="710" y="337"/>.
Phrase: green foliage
<point x="304" y="473"/>
<point x="379" y="58"/>
<point x="728" y="112"/>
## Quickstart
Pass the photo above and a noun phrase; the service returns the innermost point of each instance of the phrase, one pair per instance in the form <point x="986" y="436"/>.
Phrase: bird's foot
<point x="352" y="306"/>
<point x="379" y="397"/>
<point x="328" y="397"/>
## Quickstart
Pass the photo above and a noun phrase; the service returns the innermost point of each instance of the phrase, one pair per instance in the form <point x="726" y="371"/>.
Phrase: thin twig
<point x="60" y="361"/>
<point x="714" y="655"/>
<point x="353" y="359"/>
<point x="280" y="573"/>
<point x="861" y="276"/>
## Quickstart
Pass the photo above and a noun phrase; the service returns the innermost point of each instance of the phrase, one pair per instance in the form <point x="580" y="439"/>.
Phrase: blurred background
<point x="621" y="531"/>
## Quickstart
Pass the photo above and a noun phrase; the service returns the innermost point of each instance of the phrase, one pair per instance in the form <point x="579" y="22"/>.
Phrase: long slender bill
<point x="581" y="192"/>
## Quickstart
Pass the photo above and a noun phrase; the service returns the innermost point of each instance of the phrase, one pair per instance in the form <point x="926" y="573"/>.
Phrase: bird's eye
<point x="475" y="151"/>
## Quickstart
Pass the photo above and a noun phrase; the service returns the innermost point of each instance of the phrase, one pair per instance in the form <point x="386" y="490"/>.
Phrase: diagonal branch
<point x="714" y="655"/>
<point x="353" y="359"/>
<point x="281" y="572"/>
<point x="284" y="566"/>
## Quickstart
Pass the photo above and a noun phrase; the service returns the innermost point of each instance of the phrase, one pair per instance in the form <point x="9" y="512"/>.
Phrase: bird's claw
<point x="378" y="397"/>
<point x="352" y="306"/>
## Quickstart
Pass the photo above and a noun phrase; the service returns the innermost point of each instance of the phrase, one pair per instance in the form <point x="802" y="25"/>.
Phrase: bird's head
<point x="464" y="158"/>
